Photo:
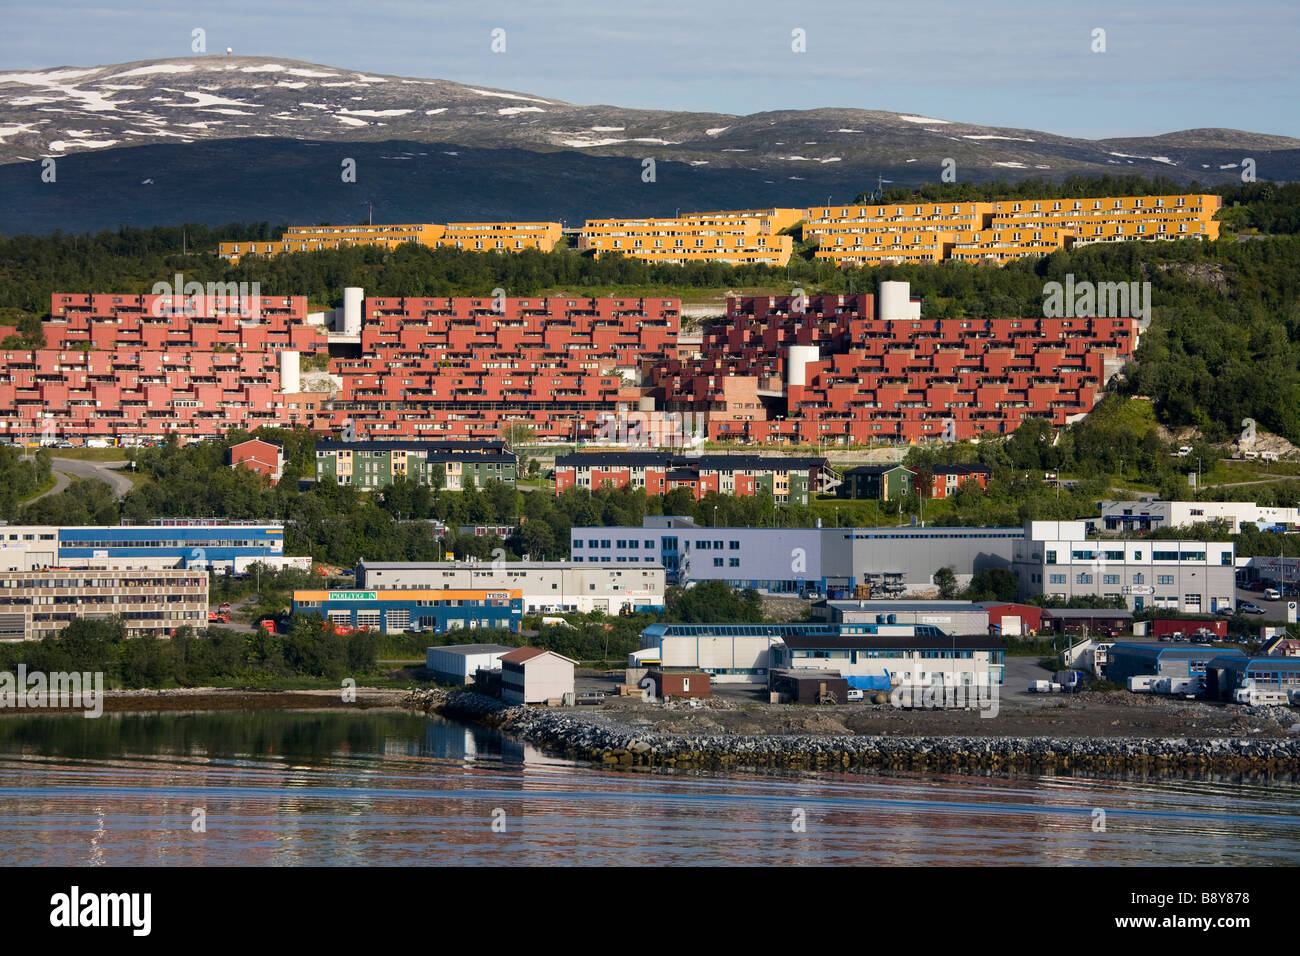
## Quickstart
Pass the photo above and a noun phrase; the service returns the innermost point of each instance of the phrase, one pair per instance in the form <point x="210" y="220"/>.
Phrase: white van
<point x="1143" y="684"/>
<point x="1272" y="594"/>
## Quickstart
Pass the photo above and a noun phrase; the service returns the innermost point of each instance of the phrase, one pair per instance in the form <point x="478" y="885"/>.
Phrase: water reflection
<point x="392" y="787"/>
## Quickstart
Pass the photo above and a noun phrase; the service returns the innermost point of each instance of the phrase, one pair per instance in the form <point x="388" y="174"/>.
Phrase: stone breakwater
<point x="580" y="737"/>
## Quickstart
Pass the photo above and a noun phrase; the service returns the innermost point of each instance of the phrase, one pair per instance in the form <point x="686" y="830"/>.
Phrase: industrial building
<point x="206" y="543"/>
<point x="1058" y="558"/>
<point x="1151" y="513"/>
<point x="893" y="561"/>
<point x="456" y="663"/>
<point x="953" y="617"/>
<point x="40" y="603"/>
<point x="743" y="653"/>
<point x="530" y="675"/>
<point x="1125" y="660"/>
<point x="397" y="611"/>
<point x="1228" y="671"/>
<point x="926" y="658"/>
<point x="545" y="586"/>
<point x="376" y="464"/>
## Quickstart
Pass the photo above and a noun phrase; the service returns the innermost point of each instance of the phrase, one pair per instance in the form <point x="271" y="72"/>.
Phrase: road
<point x="65" y="469"/>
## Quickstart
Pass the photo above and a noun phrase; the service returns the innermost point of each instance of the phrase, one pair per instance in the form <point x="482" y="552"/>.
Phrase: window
<point x="1164" y="579"/>
<point x="1083" y="579"/>
<point x="717" y="562"/>
<point x="1057" y="578"/>
<point x="1049" y="557"/>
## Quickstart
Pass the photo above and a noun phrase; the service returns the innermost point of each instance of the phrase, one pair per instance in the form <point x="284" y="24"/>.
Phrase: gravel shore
<point x="613" y="738"/>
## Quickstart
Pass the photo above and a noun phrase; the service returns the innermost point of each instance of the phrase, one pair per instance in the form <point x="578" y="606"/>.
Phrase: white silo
<point x="796" y="363"/>
<point x="353" y="297"/>
<point x="290" y="377"/>
<point x="894" y="302"/>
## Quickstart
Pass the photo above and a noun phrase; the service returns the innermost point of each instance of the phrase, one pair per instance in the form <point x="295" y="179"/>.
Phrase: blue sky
<point x="1168" y="65"/>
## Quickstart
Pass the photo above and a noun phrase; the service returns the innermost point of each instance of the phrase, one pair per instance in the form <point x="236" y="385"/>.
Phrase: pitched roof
<point x="522" y="655"/>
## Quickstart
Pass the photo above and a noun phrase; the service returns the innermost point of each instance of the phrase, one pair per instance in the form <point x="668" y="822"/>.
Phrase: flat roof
<point x="1090" y="612"/>
<point x="467" y="649"/>
<point x="881" y="607"/>
<point x="889" y="642"/>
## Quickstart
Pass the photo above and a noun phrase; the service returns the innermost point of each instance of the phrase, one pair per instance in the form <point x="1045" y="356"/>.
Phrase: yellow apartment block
<point x="459" y="235"/>
<point x="1004" y="230"/>
<point x="502" y="236"/>
<point x="740" y="237"/>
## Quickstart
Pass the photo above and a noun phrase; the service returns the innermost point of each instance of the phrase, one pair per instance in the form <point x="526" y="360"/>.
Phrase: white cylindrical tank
<point x="894" y="302"/>
<point x="353" y="297"/>
<point x="797" y="361"/>
<point x="290" y="379"/>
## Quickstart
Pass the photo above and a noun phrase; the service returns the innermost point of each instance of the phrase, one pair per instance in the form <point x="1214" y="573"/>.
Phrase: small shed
<point x="530" y="675"/>
<point x="681" y="682"/>
<point x="804" y="686"/>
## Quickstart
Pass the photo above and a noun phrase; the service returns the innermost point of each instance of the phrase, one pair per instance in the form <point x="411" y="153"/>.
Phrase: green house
<point x="878" y="482"/>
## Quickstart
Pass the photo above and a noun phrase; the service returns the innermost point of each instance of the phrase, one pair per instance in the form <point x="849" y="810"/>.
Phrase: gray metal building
<point x="818" y="560"/>
<point x="952" y="617"/>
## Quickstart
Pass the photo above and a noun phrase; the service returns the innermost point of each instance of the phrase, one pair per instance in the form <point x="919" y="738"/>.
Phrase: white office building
<point x="1058" y="558"/>
<point x="547" y="586"/>
<point x="1152" y="513"/>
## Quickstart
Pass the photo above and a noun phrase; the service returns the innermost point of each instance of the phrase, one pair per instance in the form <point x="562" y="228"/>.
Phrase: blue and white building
<point x="205" y="543"/>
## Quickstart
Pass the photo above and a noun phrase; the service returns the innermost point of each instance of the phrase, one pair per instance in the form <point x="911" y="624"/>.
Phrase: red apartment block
<point x="113" y="369"/>
<point x="264" y="457"/>
<point x="442" y="368"/>
<point x="425" y="368"/>
<point x="888" y="379"/>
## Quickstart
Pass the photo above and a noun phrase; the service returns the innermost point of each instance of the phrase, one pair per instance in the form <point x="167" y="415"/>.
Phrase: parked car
<point x="1249" y="607"/>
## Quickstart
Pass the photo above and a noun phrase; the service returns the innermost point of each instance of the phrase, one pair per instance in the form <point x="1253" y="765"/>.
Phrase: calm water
<point x="390" y="788"/>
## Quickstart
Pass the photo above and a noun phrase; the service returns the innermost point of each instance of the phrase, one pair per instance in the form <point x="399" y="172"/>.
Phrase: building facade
<point x="376" y="464"/>
<point x="545" y="586"/>
<point x="209" y="544"/>
<point x="530" y="675"/>
<point x="832" y="561"/>
<point x="410" y="609"/>
<point x="1059" y="559"/>
<point x="1129" y="517"/>
<point x="788" y="480"/>
<point x="36" y="604"/>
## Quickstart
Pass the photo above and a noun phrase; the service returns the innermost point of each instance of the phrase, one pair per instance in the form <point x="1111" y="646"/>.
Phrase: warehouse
<point x="547" y="586"/>
<point x="802" y="561"/>
<point x="1127" y="660"/>
<point x="1014" y="620"/>
<point x="1087" y="620"/>
<point x="1229" y="670"/>
<point x="530" y="675"/>
<point x="925" y="659"/>
<point x="953" y="617"/>
<point x="396" y="611"/>
<point x="456" y="663"/>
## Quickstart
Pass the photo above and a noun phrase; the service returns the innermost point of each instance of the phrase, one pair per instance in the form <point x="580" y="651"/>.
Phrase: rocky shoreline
<point x="578" y="737"/>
